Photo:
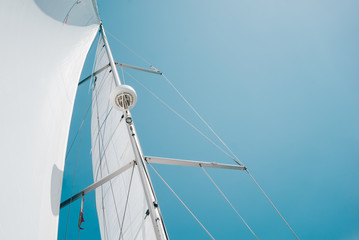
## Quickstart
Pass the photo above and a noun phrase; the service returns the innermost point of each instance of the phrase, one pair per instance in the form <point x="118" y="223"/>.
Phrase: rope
<point x="78" y="234"/>
<point x="179" y="199"/>
<point x="204" y="170"/>
<point x="272" y="204"/>
<point x="68" y="13"/>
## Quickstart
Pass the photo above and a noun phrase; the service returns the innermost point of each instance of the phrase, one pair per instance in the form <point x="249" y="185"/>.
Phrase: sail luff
<point x="114" y="144"/>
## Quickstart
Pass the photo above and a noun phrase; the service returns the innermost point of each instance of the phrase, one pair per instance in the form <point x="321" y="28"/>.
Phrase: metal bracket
<point x="98" y="71"/>
<point x="179" y="162"/>
<point x="96" y="184"/>
<point x="155" y="71"/>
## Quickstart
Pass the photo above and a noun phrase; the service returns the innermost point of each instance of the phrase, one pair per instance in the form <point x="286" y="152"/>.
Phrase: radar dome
<point x="123" y="97"/>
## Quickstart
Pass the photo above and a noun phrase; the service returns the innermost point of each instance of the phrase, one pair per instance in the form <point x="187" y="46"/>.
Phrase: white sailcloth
<point x="43" y="46"/>
<point x="121" y="203"/>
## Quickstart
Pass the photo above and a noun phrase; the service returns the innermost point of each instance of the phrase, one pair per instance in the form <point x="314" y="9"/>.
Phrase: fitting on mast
<point x="123" y="97"/>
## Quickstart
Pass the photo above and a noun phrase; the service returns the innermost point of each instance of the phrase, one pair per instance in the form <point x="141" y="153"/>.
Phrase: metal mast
<point x="151" y="198"/>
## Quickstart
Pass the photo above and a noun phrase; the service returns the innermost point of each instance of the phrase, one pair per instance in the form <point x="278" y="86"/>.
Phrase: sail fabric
<point x="41" y="58"/>
<point x="121" y="203"/>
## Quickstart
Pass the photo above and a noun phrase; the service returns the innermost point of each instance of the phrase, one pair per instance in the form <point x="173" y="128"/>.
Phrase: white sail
<point x="121" y="203"/>
<point x="43" y="47"/>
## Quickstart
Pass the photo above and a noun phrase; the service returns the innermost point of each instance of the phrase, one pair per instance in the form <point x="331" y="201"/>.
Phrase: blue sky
<point x="277" y="80"/>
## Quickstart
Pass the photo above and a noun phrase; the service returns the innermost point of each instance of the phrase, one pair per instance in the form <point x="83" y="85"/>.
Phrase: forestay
<point x="121" y="203"/>
<point x="43" y="47"/>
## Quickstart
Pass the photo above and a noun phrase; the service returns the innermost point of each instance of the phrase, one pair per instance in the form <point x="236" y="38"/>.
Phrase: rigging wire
<point x="233" y="156"/>
<point x="204" y="170"/>
<point x="77" y="160"/>
<point x="87" y="111"/>
<point x="94" y="99"/>
<point x="185" y="100"/>
<point x="98" y="136"/>
<point x="235" y="159"/>
<point x="77" y="132"/>
<point x="138" y="55"/>
<point x="179" y="199"/>
<point x="102" y="124"/>
<point x="128" y="195"/>
<point x="68" y="13"/>
<point x="78" y="153"/>
<point x="100" y="170"/>
<point x="83" y="121"/>
<point x="202" y="119"/>
<point x="272" y="204"/>
<point x="179" y="115"/>
<point x="104" y="155"/>
<point x="114" y="131"/>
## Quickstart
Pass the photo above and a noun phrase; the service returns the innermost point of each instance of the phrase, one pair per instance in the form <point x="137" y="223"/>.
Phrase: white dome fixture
<point x="123" y="97"/>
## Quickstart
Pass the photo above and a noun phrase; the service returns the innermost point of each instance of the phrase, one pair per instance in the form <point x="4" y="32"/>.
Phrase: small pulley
<point x="123" y="97"/>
